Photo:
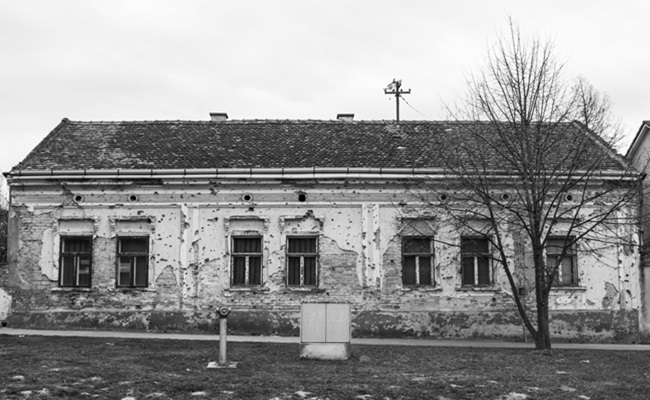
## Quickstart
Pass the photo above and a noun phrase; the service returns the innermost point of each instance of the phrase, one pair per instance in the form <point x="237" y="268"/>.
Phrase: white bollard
<point x="223" y="341"/>
<point x="223" y="337"/>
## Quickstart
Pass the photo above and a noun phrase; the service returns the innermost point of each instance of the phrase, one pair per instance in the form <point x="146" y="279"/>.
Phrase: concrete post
<point x="223" y="338"/>
<point x="223" y="341"/>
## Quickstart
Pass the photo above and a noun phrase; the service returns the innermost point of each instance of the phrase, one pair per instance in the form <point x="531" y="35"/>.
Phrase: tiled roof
<point x="74" y="145"/>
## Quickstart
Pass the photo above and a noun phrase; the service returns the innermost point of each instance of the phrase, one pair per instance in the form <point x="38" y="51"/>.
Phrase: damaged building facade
<point x="154" y="225"/>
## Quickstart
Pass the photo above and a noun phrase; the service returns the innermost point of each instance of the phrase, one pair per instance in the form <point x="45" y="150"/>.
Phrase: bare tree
<point x="527" y="169"/>
<point x="594" y="110"/>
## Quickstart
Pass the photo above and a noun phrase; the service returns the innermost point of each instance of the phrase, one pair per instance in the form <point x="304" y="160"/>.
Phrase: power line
<point x="415" y="109"/>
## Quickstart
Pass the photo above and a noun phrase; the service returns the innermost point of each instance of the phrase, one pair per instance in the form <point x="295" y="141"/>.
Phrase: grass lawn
<point x="94" y="368"/>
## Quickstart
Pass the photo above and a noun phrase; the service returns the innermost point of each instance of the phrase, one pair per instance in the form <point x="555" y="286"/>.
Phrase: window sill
<point x="134" y="289"/>
<point x="421" y="289"/>
<point x="568" y="288"/>
<point x="297" y="289"/>
<point x="71" y="289"/>
<point x="254" y="289"/>
<point x="477" y="289"/>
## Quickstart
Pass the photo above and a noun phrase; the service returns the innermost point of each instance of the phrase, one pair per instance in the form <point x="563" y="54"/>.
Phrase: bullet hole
<point x="302" y="197"/>
<point x="78" y="198"/>
<point x="247" y="197"/>
<point x="133" y="198"/>
<point x="505" y="197"/>
<point x="442" y="197"/>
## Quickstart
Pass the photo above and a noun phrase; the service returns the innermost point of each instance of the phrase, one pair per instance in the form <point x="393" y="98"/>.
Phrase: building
<point x="153" y="225"/>
<point x="639" y="155"/>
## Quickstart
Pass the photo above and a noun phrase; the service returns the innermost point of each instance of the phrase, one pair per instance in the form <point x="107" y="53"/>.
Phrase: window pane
<point x="302" y="245"/>
<point x="76" y="245"/>
<point x="255" y="271"/>
<point x="67" y="271"/>
<point x="310" y="271"/>
<point x="417" y="245"/>
<point x="124" y="272"/>
<point x="468" y="270"/>
<point x="238" y="270"/>
<point x="425" y="271"/>
<point x="294" y="271"/>
<point x="84" y="280"/>
<point x="247" y="245"/>
<point x="474" y="245"/>
<point x="134" y="245"/>
<point x="568" y="277"/>
<point x="84" y="270"/>
<point x="141" y="271"/>
<point x="483" y="271"/>
<point x="554" y="246"/>
<point x="408" y="271"/>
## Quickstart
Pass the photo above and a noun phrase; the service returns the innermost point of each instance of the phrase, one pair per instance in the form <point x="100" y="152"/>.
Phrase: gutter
<point x="276" y="173"/>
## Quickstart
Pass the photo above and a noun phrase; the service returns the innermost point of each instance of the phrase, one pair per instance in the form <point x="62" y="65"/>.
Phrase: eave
<point x="315" y="173"/>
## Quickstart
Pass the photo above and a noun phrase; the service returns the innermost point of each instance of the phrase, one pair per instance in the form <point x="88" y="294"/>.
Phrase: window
<point x="475" y="264"/>
<point x="133" y="262"/>
<point x="566" y="273"/>
<point x="302" y="255"/>
<point x="246" y="261"/>
<point x="417" y="261"/>
<point x="76" y="260"/>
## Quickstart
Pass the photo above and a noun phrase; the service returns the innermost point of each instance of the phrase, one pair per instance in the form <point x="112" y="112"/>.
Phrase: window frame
<point x="314" y="255"/>
<point x="571" y="256"/>
<point x="133" y="284"/>
<point x="247" y="256"/>
<point x="418" y="256"/>
<point x="76" y="256"/>
<point x="475" y="256"/>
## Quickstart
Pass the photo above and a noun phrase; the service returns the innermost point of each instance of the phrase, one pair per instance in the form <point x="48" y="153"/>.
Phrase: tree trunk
<point x="543" y="337"/>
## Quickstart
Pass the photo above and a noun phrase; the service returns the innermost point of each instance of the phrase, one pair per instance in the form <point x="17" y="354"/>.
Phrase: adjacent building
<point x="639" y="155"/>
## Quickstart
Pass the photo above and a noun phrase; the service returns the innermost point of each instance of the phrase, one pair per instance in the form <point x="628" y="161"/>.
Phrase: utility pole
<point x="394" y="88"/>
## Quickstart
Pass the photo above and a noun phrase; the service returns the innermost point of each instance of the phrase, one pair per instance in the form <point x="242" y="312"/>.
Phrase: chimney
<point x="345" y="117"/>
<point x="218" y="116"/>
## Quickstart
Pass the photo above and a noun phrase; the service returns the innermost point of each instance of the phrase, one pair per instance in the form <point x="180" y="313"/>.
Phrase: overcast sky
<point x="168" y="60"/>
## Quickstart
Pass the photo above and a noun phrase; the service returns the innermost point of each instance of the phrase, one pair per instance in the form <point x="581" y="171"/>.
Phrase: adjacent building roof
<point x="75" y="145"/>
<point x="639" y="138"/>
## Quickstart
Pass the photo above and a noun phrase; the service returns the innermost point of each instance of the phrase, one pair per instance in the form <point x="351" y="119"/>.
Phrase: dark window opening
<point x="133" y="262"/>
<point x="566" y="273"/>
<point x="302" y="256"/>
<point x="246" y="261"/>
<point x="417" y="261"/>
<point x="475" y="262"/>
<point x="75" y="262"/>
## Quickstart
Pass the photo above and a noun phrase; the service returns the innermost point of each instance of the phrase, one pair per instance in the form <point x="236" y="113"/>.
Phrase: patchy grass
<point x="92" y="368"/>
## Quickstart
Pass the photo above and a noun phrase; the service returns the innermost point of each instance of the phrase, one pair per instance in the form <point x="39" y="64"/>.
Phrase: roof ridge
<point x="262" y="120"/>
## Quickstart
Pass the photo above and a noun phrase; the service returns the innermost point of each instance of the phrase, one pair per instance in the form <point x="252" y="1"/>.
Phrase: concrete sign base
<point x="216" y="365"/>
<point x="325" y="351"/>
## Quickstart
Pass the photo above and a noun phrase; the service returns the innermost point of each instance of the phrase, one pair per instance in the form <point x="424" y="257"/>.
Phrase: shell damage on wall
<point x="359" y="230"/>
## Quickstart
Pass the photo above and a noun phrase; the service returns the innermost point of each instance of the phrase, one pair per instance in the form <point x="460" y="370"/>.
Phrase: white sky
<point x="284" y="59"/>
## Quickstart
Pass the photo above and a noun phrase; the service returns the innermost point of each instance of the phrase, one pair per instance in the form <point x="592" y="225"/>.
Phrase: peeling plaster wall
<point x="359" y="228"/>
<point x="5" y="298"/>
